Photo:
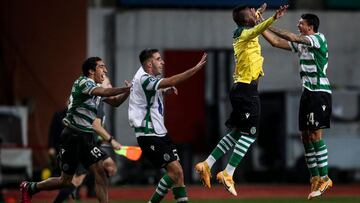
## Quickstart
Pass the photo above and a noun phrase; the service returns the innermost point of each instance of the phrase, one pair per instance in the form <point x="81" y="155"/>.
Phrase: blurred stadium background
<point x="43" y="44"/>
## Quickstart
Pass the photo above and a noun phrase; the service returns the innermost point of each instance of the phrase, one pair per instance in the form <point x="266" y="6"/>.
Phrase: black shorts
<point x="80" y="170"/>
<point x="245" y="104"/>
<point x="77" y="148"/>
<point x="315" y="110"/>
<point x="107" y="149"/>
<point x="159" y="150"/>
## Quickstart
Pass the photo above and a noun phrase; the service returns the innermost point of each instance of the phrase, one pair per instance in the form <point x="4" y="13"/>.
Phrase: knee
<point x="306" y="137"/>
<point x="111" y="170"/>
<point x="98" y="172"/>
<point x="177" y="175"/>
<point x="77" y="180"/>
<point x="315" y="135"/>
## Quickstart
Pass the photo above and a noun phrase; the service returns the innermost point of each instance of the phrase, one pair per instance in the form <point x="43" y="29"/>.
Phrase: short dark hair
<point x="238" y="14"/>
<point x="90" y="64"/>
<point x="146" y="54"/>
<point x="312" y="20"/>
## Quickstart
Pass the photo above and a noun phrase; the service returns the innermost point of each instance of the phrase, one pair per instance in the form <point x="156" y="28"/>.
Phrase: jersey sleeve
<point x="150" y="83"/>
<point x="256" y="30"/>
<point x="294" y="46"/>
<point x="314" y="41"/>
<point x="87" y="86"/>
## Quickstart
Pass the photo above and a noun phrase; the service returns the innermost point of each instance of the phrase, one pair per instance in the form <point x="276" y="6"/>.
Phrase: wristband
<point x="111" y="138"/>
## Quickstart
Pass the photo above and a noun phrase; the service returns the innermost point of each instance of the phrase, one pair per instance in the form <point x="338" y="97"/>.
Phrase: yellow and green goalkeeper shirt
<point x="247" y="52"/>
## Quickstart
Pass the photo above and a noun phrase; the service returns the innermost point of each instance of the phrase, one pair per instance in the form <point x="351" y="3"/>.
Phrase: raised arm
<point x="261" y="27"/>
<point x="292" y="37"/>
<point x="181" y="77"/>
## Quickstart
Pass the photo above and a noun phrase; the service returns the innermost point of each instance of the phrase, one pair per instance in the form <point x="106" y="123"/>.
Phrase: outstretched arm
<point x="181" y="77"/>
<point x="276" y="41"/>
<point x="107" y="92"/>
<point x="290" y="36"/>
<point x="273" y="39"/>
<point x="118" y="99"/>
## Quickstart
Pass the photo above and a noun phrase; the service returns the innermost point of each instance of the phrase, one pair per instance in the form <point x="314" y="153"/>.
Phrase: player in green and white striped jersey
<point x="146" y="116"/>
<point x="315" y="104"/>
<point x="77" y="143"/>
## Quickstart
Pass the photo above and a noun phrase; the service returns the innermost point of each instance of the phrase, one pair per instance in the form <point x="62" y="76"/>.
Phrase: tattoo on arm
<point x="290" y="36"/>
<point x="303" y="40"/>
<point x="281" y="33"/>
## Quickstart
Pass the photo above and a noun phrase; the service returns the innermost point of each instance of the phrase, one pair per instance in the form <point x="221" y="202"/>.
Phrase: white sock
<point x="230" y="169"/>
<point x="210" y="161"/>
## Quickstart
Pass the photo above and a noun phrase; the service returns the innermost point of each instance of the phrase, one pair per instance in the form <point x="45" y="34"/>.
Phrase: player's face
<point x="304" y="27"/>
<point x="100" y="72"/>
<point x="251" y="16"/>
<point x="157" y="64"/>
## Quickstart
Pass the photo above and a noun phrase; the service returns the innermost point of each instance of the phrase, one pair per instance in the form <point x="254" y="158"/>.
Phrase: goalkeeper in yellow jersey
<point x="244" y="119"/>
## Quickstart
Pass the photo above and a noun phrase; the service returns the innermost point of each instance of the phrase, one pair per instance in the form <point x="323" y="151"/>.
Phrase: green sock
<point x="225" y="144"/>
<point x="321" y="157"/>
<point x="241" y="147"/>
<point x="180" y="194"/>
<point x="310" y="158"/>
<point x="162" y="188"/>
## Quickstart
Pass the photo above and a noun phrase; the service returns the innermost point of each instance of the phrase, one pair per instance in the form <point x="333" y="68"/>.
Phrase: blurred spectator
<point x="56" y="127"/>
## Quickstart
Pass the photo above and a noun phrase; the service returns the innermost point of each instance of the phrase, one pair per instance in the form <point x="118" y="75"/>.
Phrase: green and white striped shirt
<point x="146" y="106"/>
<point x="313" y="63"/>
<point x="82" y="108"/>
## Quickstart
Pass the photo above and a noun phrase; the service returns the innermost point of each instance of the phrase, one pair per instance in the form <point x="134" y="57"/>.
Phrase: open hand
<point x="281" y="11"/>
<point x="202" y="61"/>
<point x="259" y="12"/>
<point x="127" y="83"/>
<point x="171" y="90"/>
<point x="262" y="8"/>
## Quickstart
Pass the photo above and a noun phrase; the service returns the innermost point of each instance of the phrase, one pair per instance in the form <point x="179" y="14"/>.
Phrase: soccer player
<point x="77" y="143"/>
<point x="244" y="119"/>
<point x="146" y="116"/>
<point x="315" y="103"/>
<point x="108" y="161"/>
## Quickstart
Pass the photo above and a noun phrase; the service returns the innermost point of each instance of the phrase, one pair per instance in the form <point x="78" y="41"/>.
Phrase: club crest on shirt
<point x="89" y="84"/>
<point x="253" y="130"/>
<point x="152" y="79"/>
<point x="65" y="167"/>
<point x="166" y="157"/>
